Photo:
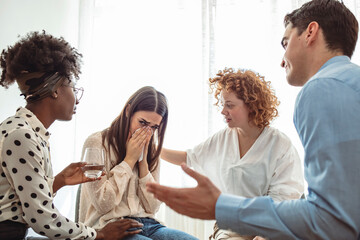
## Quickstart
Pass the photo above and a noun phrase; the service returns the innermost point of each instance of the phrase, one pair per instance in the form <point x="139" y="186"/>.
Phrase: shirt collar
<point x="34" y="122"/>
<point x="335" y="59"/>
<point x="331" y="61"/>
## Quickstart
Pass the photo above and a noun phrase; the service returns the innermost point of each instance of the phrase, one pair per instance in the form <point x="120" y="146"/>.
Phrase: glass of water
<point x="94" y="157"/>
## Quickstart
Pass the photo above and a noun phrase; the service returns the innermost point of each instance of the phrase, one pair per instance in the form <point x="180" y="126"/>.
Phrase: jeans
<point x="154" y="230"/>
<point x="10" y="230"/>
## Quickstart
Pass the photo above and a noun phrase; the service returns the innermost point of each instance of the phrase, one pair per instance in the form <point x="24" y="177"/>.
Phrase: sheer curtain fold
<point x="175" y="46"/>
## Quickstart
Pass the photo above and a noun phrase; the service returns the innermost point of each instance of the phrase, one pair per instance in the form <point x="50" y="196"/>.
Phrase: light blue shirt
<point x="327" y="119"/>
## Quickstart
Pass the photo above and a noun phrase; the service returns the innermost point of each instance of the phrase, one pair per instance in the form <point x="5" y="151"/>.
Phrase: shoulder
<point x="16" y="128"/>
<point x="344" y="72"/>
<point x="14" y="123"/>
<point x="342" y="77"/>
<point x="94" y="139"/>
<point x="278" y="137"/>
<point x="223" y="134"/>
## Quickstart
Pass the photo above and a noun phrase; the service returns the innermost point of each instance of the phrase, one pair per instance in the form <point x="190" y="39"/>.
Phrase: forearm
<point x="294" y="219"/>
<point x="99" y="235"/>
<point x="173" y="156"/>
<point x="149" y="202"/>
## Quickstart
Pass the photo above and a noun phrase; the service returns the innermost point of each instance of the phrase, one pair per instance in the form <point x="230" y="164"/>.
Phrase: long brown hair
<point x="145" y="99"/>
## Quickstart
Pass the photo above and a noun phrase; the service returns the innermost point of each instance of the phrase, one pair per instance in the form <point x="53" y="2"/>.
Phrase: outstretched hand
<point x="72" y="175"/>
<point x="119" y="229"/>
<point x="198" y="202"/>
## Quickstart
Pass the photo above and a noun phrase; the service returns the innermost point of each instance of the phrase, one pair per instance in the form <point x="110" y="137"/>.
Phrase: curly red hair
<point x="250" y="87"/>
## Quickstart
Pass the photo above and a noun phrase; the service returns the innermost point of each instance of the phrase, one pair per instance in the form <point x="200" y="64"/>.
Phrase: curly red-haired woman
<point x="248" y="158"/>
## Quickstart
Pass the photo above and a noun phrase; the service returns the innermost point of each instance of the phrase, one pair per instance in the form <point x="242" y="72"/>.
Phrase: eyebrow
<point x="146" y="122"/>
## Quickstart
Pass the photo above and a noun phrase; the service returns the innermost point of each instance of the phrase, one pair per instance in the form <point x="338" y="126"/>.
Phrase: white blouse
<point x="270" y="167"/>
<point x="26" y="181"/>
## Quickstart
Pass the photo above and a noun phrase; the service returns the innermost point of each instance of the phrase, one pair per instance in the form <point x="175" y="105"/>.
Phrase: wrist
<point x="59" y="182"/>
<point x="130" y="161"/>
<point x="99" y="235"/>
<point x="143" y="173"/>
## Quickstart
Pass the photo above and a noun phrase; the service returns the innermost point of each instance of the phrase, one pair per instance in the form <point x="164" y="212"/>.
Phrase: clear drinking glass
<point x="94" y="157"/>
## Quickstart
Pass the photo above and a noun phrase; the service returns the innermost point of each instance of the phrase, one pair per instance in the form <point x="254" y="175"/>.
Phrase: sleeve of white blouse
<point x="149" y="202"/>
<point x="24" y="166"/>
<point x="107" y="192"/>
<point x="196" y="156"/>
<point x="287" y="181"/>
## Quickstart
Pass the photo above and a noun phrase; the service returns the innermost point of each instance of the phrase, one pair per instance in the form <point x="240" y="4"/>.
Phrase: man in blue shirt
<point x="319" y="40"/>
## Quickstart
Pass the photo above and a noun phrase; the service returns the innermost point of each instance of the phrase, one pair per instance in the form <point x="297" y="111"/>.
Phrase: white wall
<point x="59" y="18"/>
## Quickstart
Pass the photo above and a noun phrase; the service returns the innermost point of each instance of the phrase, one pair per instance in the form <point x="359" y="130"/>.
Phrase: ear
<point x="312" y="33"/>
<point x="54" y="95"/>
<point x="127" y="110"/>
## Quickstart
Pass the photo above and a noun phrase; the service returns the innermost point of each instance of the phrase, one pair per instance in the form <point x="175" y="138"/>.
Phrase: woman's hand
<point x="143" y="165"/>
<point x="135" y="145"/>
<point x="72" y="175"/>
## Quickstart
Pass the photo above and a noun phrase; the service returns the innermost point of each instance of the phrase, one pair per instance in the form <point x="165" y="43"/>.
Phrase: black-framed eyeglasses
<point x="78" y="91"/>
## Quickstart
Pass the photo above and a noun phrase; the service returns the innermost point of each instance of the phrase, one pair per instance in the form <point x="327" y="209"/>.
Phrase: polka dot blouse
<point x="26" y="179"/>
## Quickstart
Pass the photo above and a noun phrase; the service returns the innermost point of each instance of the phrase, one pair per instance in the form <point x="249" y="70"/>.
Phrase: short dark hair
<point x="39" y="52"/>
<point x="339" y="25"/>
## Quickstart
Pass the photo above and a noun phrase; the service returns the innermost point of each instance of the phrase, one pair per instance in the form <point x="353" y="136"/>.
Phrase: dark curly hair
<point x="250" y="87"/>
<point x="39" y="52"/>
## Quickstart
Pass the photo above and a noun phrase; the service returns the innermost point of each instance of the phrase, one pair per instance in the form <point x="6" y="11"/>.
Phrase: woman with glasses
<point x="42" y="66"/>
<point x="132" y="145"/>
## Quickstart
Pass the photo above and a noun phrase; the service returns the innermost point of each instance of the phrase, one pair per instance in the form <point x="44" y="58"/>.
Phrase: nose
<point x="282" y="64"/>
<point x="223" y="111"/>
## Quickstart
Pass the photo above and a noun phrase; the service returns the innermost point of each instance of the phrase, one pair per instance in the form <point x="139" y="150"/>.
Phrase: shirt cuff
<point x="50" y="183"/>
<point x="123" y="165"/>
<point x="188" y="159"/>
<point x="226" y="210"/>
<point x="146" y="179"/>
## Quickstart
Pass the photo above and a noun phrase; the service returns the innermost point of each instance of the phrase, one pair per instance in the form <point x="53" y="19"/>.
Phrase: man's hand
<point x="119" y="229"/>
<point x="72" y="175"/>
<point x="198" y="202"/>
